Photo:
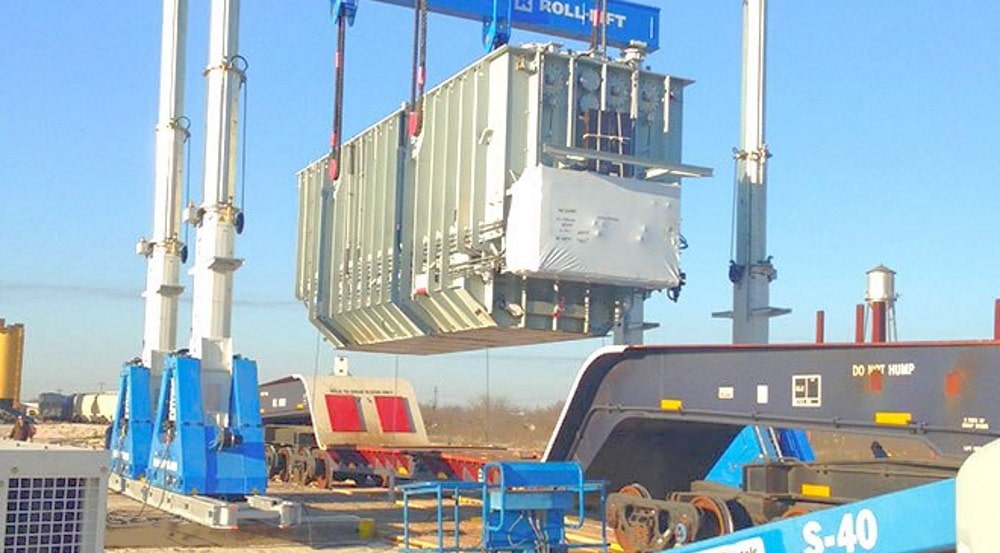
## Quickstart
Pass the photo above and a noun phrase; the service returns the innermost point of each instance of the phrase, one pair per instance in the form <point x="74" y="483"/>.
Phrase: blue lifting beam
<point x="626" y="22"/>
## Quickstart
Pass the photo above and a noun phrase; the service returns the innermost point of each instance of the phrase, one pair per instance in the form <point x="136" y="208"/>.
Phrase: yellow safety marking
<point x="585" y="541"/>
<point x="816" y="490"/>
<point x="341" y="492"/>
<point x="671" y="405"/>
<point x="368" y="490"/>
<point x="893" y="418"/>
<point x="366" y="528"/>
<point x="577" y="537"/>
<point x="417" y="543"/>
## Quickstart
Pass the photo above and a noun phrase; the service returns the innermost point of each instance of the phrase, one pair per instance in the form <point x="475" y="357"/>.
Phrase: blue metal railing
<point x="524" y="506"/>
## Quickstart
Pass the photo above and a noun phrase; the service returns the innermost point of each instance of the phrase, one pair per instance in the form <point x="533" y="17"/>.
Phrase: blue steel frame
<point x="455" y="490"/>
<point x="570" y="19"/>
<point x="131" y="437"/>
<point x="496" y="26"/>
<point x="749" y="447"/>
<point x="344" y="8"/>
<point x="184" y="453"/>
<point x="521" y="503"/>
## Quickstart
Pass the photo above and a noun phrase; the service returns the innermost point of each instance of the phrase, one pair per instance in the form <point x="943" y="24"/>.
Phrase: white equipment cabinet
<point x="55" y="498"/>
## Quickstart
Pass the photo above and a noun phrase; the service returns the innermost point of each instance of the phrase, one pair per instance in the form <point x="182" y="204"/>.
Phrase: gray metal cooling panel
<point x="410" y="243"/>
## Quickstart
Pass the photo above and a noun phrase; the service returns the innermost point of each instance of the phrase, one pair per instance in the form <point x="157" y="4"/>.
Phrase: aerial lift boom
<point x="918" y="520"/>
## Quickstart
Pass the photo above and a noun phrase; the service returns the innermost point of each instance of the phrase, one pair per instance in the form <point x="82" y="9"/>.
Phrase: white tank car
<point x="94" y="407"/>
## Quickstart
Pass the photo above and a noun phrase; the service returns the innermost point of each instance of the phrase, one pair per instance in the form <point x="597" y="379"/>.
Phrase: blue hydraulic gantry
<point x="626" y="22"/>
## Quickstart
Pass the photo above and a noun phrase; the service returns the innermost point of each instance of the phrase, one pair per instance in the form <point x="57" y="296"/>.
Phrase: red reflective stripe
<point x="343" y="413"/>
<point x="393" y="414"/>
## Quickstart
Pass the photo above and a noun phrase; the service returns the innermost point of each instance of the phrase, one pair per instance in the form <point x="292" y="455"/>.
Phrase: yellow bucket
<point x="366" y="528"/>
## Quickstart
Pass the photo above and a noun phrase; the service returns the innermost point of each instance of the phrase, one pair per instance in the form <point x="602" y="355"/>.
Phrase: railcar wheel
<point x="634" y="527"/>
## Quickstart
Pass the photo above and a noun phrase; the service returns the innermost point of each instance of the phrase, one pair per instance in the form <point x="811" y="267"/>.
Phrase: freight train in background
<point x="88" y="407"/>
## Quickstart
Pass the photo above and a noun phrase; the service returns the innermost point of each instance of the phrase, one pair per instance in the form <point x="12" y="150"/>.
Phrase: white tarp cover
<point x="573" y="225"/>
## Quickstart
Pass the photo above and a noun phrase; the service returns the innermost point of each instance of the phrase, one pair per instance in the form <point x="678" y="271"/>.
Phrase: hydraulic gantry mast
<point x="218" y="219"/>
<point x="202" y="436"/>
<point x="751" y="272"/>
<point x="140" y="378"/>
<point x="164" y="251"/>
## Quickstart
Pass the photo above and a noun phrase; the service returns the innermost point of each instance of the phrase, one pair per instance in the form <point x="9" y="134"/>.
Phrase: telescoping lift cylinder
<point x="540" y="202"/>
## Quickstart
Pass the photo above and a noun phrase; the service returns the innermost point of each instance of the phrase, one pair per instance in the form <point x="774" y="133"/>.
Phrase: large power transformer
<point x="540" y="202"/>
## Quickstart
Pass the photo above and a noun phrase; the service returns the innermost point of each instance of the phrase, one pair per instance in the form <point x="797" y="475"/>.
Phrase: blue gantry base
<point x="132" y="428"/>
<point x="177" y="448"/>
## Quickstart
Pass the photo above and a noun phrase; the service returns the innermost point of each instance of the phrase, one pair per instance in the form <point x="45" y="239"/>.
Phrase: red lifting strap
<point x="414" y="123"/>
<point x="338" y="100"/>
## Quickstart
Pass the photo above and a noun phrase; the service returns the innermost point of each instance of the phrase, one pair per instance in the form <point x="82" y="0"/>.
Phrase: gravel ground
<point x="135" y="528"/>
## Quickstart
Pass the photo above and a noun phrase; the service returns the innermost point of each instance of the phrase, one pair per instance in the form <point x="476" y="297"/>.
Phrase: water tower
<point x="881" y="296"/>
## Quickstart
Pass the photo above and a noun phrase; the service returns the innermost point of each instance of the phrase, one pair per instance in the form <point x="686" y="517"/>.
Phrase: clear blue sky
<point x="883" y="119"/>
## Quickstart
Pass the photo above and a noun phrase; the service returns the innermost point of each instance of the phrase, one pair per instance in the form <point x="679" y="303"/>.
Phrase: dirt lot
<point x="79" y="435"/>
<point x="131" y="527"/>
<point x="331" y="516"/>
